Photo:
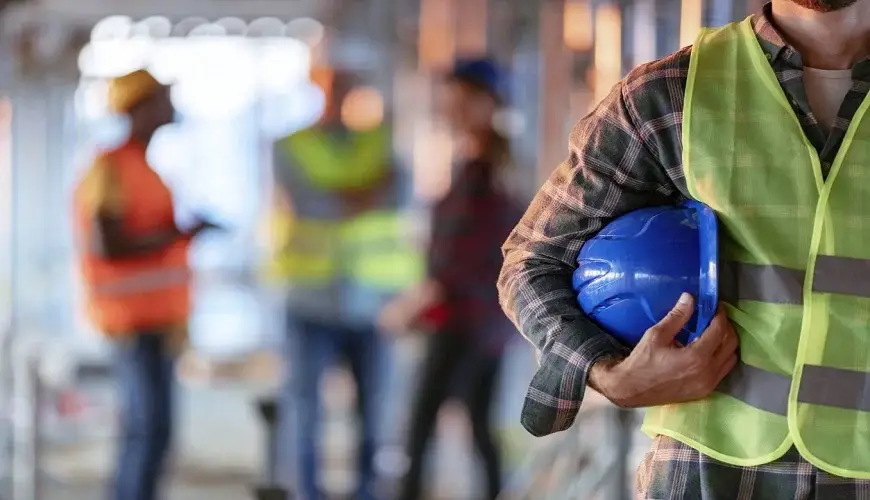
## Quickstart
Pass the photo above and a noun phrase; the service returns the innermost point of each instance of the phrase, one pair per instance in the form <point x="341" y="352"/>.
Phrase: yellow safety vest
<point x="306" y="250"/>
<point x="379" y="251"/>
<point x="794" y="268"/>
<point x="332" y="165"/>
<point x="373" y="249"/>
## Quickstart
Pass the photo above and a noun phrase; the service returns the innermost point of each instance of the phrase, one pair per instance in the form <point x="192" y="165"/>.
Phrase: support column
<point x="644" y="31"/>
<point x="31" y="176"/>
<point x="6" y="293"/>
<point x="719" y="13"/>
<point x="691" y="16"/>
<point x="471" y="18"/>
<point x="502" y="37"/>
<point x="437" y="42"/>
<point x="433" y="147"/>
<point x="39" y="89"/>
<point x="523" y="38"/>
<point x="555" y="88"/>
<point x="608" y="49"/>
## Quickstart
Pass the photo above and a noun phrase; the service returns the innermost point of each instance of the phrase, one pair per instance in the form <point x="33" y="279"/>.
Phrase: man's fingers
<point x="726" y="350"/>
<point x="725" y="368"/>
<point x="713" y="336"/>
<point x="667" y="329"/>
<point x="730" y="342"/>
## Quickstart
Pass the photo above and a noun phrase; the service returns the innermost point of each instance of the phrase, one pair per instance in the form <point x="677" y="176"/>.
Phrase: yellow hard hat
<point x="129" y="90"/>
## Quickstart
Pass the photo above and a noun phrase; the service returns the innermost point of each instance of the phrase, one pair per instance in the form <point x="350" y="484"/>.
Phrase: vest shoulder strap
<point x="723" y="34"/>
<point x="100" y="189"/>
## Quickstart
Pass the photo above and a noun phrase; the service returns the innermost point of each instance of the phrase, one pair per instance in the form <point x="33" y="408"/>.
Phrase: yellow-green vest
<point x="794" y="268"/>
<point x="373" y="249"/>
<point x="332" y="165"/>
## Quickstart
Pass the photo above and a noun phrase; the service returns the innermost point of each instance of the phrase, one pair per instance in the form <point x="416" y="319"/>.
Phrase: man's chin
<point x="824" y="5"/>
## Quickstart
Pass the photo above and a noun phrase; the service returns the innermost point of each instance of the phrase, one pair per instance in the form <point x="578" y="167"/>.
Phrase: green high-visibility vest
<point x="794" y="268"/>
<point x="373" y="249"/>
<point x="332" y="165"/>
<point x="305" y="249"/>
<point x="379" y="251"/>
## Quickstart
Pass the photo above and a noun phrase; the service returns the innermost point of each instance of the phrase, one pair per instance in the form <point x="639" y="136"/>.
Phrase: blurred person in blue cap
<point x="458" y="303"/>
<point x="134" y="263"/>
<point x="764" y="121"/>
<point x="342" y="250"/>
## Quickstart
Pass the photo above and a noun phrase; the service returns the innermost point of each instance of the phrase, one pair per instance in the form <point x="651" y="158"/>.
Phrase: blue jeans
<point x="145" y="373"/>
<point x="310" y="350"/>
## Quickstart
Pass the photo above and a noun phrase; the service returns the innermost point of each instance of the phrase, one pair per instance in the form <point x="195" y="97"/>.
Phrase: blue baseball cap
<point x="483" y="73"/>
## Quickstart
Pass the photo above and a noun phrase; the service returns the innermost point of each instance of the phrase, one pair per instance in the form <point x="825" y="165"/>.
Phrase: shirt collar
<point x="771" y="40"/>
<point x="776" y="48"/>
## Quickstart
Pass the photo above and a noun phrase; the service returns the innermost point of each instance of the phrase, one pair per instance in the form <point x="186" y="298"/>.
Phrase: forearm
<point x="151" y="242"/>
<point x="110" y="240"/>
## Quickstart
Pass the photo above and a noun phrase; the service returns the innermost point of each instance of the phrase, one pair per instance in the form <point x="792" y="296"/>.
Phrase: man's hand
<point x="203" y="226"/>
<point x="404" y="312"/>
<point x="394" y="318"/>
<point x="659" y="371"/>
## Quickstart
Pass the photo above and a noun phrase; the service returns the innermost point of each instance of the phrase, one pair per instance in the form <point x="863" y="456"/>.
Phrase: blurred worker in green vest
<point x="343" y="249"/>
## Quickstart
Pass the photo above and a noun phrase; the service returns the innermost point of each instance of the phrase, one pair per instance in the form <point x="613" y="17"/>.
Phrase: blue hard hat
<point x="483" y="72"/>
<point x="632" y="273"/>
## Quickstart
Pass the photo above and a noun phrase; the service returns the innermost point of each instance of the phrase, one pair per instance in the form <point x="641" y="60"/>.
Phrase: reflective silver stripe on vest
<point x="820" y="385"/>
<point x="758" y="388"/>
<point x="144" y="282"/>
<point x="773" y="284"/>
<point x="843" y="275"/>
<point x="782" y="285"/>
<point x="826" y="386"/>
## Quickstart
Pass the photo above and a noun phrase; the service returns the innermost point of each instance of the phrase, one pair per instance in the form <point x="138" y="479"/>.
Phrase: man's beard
<point x="824" y="5"/>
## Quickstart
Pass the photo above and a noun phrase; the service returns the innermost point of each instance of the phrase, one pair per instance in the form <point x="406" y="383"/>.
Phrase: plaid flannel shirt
<point x="468" y="226"/>
<point x="625" y="155"/>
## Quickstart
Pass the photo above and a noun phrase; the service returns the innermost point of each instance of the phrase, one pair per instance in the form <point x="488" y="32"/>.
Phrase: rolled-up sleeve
<point x="610" y="171"/>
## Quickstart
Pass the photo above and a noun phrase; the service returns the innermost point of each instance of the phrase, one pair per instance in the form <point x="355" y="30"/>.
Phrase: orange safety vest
<point x="145" y="292"/>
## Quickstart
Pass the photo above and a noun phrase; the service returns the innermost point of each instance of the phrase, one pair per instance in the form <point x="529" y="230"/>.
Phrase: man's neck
<point x="143" y="137"/>
<point x="826" y="40"/>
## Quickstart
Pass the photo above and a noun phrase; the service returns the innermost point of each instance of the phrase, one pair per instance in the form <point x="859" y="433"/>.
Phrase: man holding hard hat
<point x="764" y="122"/>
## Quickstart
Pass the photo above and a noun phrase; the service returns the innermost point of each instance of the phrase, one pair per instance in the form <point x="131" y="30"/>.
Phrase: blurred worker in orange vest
<point x="137" y="279"/>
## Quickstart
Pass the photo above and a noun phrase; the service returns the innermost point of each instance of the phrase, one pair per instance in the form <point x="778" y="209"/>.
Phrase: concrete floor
<point x="215" y="421"/>
<point x="220" y="448"/>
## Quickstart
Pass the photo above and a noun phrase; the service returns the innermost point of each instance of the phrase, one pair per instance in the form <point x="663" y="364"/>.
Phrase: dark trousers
<point x="448" y="354"/>
<point x="145" y="372"/>
<point x="312" y="348"/>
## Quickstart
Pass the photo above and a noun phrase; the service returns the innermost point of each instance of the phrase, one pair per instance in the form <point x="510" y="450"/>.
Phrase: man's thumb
<point x="668" y="328"/>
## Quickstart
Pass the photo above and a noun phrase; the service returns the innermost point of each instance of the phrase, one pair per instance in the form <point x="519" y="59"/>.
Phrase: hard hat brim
<point x="707" y="302"/>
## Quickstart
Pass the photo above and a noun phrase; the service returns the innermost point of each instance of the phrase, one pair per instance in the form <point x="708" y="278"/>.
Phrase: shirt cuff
<point x="557" y="389"/>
